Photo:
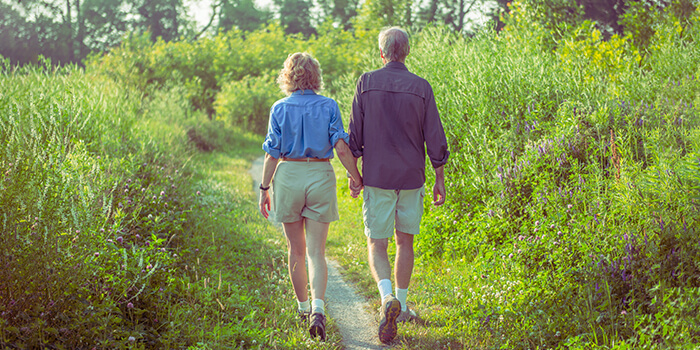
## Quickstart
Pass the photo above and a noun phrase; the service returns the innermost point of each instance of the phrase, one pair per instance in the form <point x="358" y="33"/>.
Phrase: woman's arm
<point x="269" y="167"/>
<point x="348" y="160"/>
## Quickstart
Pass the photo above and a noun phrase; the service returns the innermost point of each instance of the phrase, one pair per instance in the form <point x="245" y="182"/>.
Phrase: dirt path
<point x="347" y="309"/>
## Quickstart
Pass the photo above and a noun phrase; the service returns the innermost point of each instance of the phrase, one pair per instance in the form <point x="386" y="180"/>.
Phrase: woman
<point x="304" y="129"/>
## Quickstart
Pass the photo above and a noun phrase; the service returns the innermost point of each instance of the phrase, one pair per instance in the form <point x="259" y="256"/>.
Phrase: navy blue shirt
<point x="394" y="120"/>
<point x="304" y="125"/>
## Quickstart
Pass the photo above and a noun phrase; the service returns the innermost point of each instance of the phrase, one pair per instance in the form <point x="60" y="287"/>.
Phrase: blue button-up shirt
<point x="304" y="125"/>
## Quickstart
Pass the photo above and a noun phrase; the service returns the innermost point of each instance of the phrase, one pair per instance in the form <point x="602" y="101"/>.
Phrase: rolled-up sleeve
<point x="435" y="140"/>
<point x="356" y="123"/>
<point x="272" y="143"/>
<point x="335" y="130"/>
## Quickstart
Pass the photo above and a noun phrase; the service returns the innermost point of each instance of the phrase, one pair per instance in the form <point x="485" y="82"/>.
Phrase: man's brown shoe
<point x="389" y="312"/>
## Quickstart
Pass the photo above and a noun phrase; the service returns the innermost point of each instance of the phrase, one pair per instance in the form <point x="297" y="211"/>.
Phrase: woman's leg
<point x="296" y="254"/>
<point x="316" y="234"/>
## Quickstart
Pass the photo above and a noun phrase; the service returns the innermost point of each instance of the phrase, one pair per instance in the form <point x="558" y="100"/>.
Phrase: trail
<point x="347" y="309"/>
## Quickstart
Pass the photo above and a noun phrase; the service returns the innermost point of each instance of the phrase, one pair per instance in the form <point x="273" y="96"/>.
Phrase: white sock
<point x="402" y="295"/>
<point x="384" y="288"/>
<point x="317" y="306"/>
<point x="304" y="306"/>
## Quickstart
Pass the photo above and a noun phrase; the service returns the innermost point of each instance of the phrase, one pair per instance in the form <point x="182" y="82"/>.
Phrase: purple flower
<point x="120" y="239"/>
<point x="132" y="339"/>
<point x="198" y="193"/>
<point x="97" y="254"/>
<point x="162" y="193"/>
<point x="138" y="235"/>
<point x="130" y="305"/>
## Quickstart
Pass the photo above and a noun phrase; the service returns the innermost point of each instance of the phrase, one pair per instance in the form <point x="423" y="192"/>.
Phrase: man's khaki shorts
<point x="301" y="189"/>
<point x="386" y="210"/>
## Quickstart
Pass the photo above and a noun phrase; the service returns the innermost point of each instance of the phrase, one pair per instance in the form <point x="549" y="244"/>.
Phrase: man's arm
<point x="439" y="192"/>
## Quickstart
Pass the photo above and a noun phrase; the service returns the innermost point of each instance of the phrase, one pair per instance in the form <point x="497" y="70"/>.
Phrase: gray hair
<point x="393" y="41"/>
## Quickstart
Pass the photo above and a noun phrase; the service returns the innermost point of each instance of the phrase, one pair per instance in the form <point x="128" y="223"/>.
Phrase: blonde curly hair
<point x="301" y="71"/>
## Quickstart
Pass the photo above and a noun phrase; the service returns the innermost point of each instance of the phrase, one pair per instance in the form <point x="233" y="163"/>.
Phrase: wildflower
<point x="120" y="239"/>
<point x="510" y="255"/>
<point x="97" y="254"/>
<point x="130" y="305"/>
<point x="162" y="193"/>
<point x="623" y="312"/>
<point x="569" y="206"/>
<point x="198" y="193"/>
<point x="132" y="339"/>
<point x="138" y="235"/>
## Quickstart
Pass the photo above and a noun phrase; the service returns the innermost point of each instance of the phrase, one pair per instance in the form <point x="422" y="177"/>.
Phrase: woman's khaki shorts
<point x="304" y="189"/>
<point x="386" y="210"/>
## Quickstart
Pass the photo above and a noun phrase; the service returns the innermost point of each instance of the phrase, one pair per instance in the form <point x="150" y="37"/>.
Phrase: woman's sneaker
<point x="317" y="326"/>
<point x="390" y="311"/>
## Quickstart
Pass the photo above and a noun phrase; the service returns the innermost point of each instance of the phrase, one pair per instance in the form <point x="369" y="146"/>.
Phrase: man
<point x="394" y="120"/>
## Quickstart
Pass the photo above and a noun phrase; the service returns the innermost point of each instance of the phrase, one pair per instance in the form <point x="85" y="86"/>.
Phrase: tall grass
<point x="573" y="183"/>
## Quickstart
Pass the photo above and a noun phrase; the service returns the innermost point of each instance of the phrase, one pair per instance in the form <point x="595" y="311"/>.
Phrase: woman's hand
<point x="264" y="203"/>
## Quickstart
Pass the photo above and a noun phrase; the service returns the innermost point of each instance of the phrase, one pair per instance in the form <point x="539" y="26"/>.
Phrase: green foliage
<point x="89" y="211"/>
<point x="246" y="103"/>
<point x="206" y="66"/>
<point x="573" y="176"/>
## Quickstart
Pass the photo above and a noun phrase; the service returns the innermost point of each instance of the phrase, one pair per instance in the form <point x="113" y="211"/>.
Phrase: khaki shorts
<point x="304" y="190"/>
<point x="386" y="210"/>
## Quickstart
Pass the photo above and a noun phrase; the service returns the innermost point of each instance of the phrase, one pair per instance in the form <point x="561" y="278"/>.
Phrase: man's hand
<point x="355" y="188"/>
<point x="265" y="203"/>
<point x="439" y="193"/>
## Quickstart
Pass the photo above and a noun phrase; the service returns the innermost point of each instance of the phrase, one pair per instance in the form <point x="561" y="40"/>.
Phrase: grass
<point x="129" y="220"/>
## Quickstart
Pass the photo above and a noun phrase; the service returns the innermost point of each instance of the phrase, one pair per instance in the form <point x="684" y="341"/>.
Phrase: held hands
<point x="355" y="187"/>
<point x="264" y="203"/>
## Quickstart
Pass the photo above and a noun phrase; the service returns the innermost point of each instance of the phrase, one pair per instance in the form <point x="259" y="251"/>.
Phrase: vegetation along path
<point x="345" y="307"/>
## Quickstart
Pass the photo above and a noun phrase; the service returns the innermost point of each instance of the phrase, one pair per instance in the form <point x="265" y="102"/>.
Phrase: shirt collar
<point x="396" y="65"/>
<point x="304" y="92"/>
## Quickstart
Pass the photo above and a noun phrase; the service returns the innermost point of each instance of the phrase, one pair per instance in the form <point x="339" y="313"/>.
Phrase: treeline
<point x="69" y="31"/>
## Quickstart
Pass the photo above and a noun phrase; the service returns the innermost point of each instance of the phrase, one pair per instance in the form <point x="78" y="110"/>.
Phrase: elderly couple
<point x="394" y="120"/>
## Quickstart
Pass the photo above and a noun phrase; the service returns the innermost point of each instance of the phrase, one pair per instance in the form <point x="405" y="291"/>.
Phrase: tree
<point x="241" y="14"/>
<point x="160" y="17"/>
<point x="295" y="16"/>
<point x="340" y="11"/>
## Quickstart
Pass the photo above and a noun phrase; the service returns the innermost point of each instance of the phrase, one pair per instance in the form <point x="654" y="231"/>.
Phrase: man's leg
<point x="296" y="254"/>
<point x="403" y="265"/>
<point x="378" y="258"/>
<point x="381" y="271"/>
